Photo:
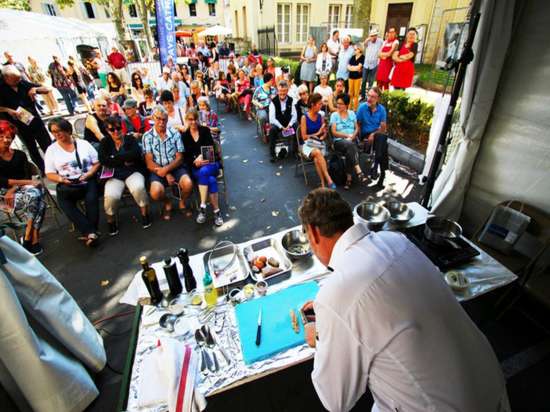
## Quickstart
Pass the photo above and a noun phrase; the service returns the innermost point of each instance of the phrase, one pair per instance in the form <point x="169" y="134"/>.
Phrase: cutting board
<point x="277" y="332"/>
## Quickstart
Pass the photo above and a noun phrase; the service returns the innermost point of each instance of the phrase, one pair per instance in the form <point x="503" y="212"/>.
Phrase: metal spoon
<point x="205" y="329"/>
<point x="167" y="321"/>
<point x="206" y="363"/>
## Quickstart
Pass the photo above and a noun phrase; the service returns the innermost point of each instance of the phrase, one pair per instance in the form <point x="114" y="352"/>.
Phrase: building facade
<point x="294" y="20"/>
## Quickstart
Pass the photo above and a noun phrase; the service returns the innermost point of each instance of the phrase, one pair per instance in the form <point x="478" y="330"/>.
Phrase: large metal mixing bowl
<point x="296" y="245"/>
<point x="371" y="213"/>
<point x="399" y="211"/>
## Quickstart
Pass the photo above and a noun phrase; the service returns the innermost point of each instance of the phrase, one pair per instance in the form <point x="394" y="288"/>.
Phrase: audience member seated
<point x="179" y="101"/>
<point x="116" y="88"/>
<point x="339" y="88"/>
<point x="282" y="118"/>
<point x="132" y="122"/>
<point x="371" y="117"/>
<point x="222" y="88"/>
<point x="302" y="104"/>
<point x="94" y="127"/>
<point x="208" y="118"/>
<point x="176" y="116"/>
<point x="120" y="156"/>
<point x="202" y="158"/>
<point x="242" y="95"/>
<point x="146" y="107"/>
<point x="114" y="107"/>
<point x="138" y="89"/>
<point x="292" y="88"/>
<point x="185" y="76"/>
<point x="183" y="88"/>
<point x="164" y="82"/>
<point x="258" y="78"/>
<point x="262" y="98"/>
<point x="163" y="150"/>
<point x="203" y="84"/>
<point x="313" y="139"/>
<point x="324" y="90"/>
<point x="18" y="191"/>
<point x="193" y="99"/>
<point x="73" y="165"/>
<point x="270" y="67"/>
<point x="345" y="130"/>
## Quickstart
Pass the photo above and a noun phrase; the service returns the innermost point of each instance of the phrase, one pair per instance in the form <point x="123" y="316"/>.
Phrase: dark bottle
<point x="149" y="277"/>
<point x="188" y="277"/>
<point x="172" y="277"/>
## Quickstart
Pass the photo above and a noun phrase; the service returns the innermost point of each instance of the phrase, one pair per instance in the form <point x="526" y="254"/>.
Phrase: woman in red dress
<point x="386" y="63"/>
<point x="404" y="62"/>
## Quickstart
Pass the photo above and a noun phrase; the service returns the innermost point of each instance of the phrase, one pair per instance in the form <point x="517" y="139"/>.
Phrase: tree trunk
<point x="361" y="15"/>
<point x="143" y="12"/>
<point x="118" y="17"/>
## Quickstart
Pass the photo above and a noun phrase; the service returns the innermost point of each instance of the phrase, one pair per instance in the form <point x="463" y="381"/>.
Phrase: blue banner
<point x="166" y="30"/>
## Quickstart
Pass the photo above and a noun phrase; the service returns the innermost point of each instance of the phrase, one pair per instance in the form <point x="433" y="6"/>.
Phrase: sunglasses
<point x="114" y="128"/>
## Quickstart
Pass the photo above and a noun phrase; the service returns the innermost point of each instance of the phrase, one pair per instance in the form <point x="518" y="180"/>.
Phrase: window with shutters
<point x="211" y="9"/>
<point x="283" y="23"/>
<point x="302" y="22"/>
<point x="89" y="10"/>
<point x="193" y="10"/>
<point x="132" y="11"/>
<point x="334" y="16"/>
<point x="49" y="9"/>
<point x="349" y="16"/>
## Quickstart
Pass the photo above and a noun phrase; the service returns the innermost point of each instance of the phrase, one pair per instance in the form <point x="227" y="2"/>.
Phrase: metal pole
<point x="466" y="57"/>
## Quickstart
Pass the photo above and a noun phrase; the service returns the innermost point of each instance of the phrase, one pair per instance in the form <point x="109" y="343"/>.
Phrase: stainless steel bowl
<point x="440" y="230"/>
<point x="296" y="245"/>
<point x="399" y="211"/>
<point x="371" y="213"/>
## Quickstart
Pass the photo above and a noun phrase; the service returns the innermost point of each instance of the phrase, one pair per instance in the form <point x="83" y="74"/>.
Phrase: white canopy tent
<point x="216" y="30"/>
<point x="41" y="36"/>
<point x="505" y="150"/>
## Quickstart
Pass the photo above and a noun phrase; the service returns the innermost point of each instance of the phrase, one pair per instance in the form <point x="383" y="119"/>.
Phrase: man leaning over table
<point x="163" y="148"/>
<point x="386" y="320"/>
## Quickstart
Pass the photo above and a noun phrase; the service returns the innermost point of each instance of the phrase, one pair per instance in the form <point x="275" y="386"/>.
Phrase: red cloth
<point x="140" y="125"/>
<point x="404" y="72"/>
<point x="385" y="65"/>
<point x="117" y="60"/>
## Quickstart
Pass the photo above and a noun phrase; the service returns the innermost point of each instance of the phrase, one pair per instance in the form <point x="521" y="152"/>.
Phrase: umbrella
<point x="216" y="30"/>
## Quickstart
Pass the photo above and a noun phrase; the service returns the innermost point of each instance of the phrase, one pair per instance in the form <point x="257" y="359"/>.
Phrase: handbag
<point x="504" y="227"/>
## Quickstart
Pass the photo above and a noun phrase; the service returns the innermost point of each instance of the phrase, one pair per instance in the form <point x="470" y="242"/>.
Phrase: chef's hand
<point x="308" y="307"/>
<point x="310" y="333"/>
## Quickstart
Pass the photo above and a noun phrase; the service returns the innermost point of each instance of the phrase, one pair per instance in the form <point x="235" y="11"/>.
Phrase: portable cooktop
<point x="446" y="256"/>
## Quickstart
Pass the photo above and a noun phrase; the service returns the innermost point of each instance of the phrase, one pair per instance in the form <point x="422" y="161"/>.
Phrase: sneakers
<point x="201" y="218"/>
<point x="113" y="228"/>
<point x="218" y="219"/>
<point x="146" y="221"/>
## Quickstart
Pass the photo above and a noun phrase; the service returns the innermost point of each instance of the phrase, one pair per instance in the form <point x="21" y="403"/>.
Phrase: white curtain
<point x="482" y="77"/>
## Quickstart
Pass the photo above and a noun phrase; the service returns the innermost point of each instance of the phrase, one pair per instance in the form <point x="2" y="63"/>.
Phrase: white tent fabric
<point x="42" y="364"/>
<point x="41" y="36"/>
<point x="490" y="47"/>
<point x="514" y="157"/>
<point x="216" y="30"/>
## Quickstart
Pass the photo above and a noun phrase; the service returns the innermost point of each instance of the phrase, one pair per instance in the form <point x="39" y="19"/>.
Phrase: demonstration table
<point x="483" y="272"/>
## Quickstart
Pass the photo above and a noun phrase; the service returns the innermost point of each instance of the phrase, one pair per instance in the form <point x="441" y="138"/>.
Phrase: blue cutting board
<point x="277" y="332"/>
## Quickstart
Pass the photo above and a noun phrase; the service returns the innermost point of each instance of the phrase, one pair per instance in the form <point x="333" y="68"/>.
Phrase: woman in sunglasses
<point x="120" y="157"/>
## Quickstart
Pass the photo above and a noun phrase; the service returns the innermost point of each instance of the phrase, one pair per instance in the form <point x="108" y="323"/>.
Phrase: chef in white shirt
<point x="333" y="45"/>
<point x="386" y="320"/>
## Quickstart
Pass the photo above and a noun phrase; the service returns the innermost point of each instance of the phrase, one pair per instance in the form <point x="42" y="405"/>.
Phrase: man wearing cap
<point x="132" y="121"/>
<point x="165" y="82"/>
<point x="373" y="44"/>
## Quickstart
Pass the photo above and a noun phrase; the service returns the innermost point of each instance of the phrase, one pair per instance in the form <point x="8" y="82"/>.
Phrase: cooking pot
<point x="441" y="231"/>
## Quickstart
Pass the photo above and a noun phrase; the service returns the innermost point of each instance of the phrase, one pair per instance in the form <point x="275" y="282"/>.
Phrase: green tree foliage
<point x="15" y="4"/>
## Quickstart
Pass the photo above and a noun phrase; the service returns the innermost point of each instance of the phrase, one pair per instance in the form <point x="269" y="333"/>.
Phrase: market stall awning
<point x="152" y="23"/>
<point x="216" y="30"/>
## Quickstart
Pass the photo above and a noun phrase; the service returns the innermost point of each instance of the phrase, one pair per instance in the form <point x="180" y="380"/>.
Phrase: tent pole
<point x="461" y="65"/>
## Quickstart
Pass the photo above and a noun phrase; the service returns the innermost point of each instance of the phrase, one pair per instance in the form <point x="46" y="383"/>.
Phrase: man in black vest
<point x="282" y="117"/>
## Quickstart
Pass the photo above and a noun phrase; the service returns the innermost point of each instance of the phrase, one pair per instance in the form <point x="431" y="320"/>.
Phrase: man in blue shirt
<point x="372" y="119"/>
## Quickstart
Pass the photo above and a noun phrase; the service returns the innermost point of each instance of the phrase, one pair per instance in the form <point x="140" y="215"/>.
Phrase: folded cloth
<point x="169" y="376"/>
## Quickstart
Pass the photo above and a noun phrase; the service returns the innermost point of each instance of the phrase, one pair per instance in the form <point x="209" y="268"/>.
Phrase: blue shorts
<point x="177" y="173"/>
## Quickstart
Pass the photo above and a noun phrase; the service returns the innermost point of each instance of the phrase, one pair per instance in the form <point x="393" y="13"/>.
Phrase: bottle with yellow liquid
<point x="210" y="292"/>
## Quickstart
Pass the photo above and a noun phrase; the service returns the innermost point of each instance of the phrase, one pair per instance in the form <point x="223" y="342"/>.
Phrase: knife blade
<point x="259" y="330"/>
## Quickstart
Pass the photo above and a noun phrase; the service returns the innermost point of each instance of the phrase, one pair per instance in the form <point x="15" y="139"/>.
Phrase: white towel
<point x="169" y="376"/>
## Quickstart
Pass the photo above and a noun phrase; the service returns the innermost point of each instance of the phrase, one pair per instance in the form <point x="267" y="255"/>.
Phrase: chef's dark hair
<point x="326" y="210"/>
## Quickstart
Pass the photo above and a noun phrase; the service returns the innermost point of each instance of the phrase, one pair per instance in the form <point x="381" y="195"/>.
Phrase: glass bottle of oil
<point x="149" y="277"/>
<point x="210" y="292"/>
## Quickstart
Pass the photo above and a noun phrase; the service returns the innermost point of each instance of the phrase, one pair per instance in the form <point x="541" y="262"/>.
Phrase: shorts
<point x="177" y="173"/>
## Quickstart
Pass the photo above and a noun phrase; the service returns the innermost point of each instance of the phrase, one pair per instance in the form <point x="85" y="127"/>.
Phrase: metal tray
<point x="235" y="274"/>
<point x="270" y="248"/>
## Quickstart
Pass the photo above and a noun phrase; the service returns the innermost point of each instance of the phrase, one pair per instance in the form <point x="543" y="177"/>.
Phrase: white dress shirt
<point x="333" y="47"/>
<point x="386" y="319"/>
<point x="273" y="114"/>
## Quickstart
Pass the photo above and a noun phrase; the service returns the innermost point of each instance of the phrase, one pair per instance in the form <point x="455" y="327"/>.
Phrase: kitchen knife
<point x="259" y="330"/>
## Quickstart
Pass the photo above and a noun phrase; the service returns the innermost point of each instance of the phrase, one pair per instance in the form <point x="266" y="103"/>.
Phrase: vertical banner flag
<point x="165" y="30"/>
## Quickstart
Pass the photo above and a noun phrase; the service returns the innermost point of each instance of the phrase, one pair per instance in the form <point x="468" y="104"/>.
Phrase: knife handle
<point x="258" y="335"/>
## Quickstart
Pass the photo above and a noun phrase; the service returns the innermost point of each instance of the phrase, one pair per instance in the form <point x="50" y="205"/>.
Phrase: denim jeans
<point x="68" y="197"/>
<point x="369" y="76"/>
<point x="69" y="97"/>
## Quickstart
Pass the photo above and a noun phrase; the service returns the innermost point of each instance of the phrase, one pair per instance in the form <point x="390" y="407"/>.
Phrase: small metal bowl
<point x="296" y="245"/>
<point x="371" y="213"/>
<point x="399" y="211"/>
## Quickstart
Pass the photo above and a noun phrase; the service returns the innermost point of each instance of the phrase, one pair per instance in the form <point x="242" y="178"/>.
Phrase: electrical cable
<point x="118" y="315"/>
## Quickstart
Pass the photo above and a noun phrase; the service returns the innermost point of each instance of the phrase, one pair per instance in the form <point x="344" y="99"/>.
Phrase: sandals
<point x="91" y="240"/>
<point x="347" y="185"/>
<point x="166" y="214"/>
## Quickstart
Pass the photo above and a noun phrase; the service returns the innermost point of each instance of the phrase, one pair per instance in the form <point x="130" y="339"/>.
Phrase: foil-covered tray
<point x="271" y="249"/>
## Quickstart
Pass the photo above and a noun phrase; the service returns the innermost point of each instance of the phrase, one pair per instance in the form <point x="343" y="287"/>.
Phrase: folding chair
<point x="79" y="127"/>
<point x="301" y="160"/>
